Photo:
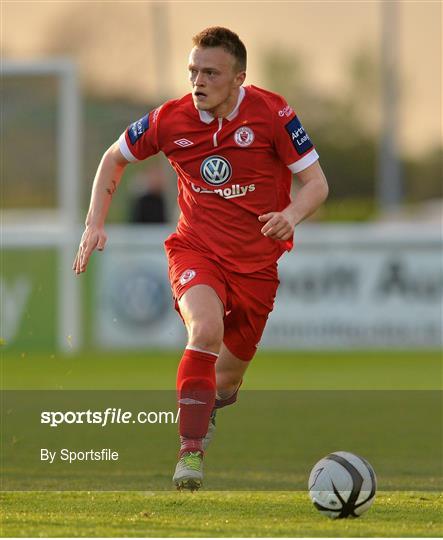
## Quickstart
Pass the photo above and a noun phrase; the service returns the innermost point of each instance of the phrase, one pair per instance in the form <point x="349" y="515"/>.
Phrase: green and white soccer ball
<point x="342" y="485"/>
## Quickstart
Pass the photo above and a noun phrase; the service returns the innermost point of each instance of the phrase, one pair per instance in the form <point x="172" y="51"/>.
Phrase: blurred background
<point x="365" y="78"/>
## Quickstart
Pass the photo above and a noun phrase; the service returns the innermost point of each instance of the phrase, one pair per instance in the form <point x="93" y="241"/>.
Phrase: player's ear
<point x="240" y="78"/>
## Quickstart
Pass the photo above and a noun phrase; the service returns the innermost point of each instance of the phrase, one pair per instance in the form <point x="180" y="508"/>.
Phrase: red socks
<point x="196" y="397"/>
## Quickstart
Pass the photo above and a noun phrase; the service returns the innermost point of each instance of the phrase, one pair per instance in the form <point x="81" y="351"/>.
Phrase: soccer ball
<point x="342" y="484"/>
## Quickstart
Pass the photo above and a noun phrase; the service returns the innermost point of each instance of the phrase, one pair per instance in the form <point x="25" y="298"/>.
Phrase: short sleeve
<point x="139" y="140"/>
<point x="292" y="143"/>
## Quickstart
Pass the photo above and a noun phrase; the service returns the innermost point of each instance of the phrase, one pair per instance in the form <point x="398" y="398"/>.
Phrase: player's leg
<point x="252" y="299"/>
<point x="199" y="289"/>
<point x="229" y="371"/>
<point x="202" y="312"/>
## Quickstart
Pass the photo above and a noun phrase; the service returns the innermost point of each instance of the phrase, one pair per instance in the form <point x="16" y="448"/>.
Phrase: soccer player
<point x="234" y="149"/>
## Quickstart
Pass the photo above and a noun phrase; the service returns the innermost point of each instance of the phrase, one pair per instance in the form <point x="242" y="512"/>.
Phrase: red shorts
<point x="247" y="298"/>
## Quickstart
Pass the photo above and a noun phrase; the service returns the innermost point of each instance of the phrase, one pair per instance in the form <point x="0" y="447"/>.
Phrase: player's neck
<point x="225" y="109"/>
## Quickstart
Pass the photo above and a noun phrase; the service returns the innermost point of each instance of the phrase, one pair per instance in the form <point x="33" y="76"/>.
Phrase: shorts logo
<point x="136" y="130"/>
<point x="300" y="139"/>
<point x="187" y="276"/>
<point x="244" y="136"/>
<point x="216" y="170"/>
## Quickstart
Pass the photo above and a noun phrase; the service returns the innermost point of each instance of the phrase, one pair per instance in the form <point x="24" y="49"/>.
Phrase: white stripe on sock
<point x="192" y="348"/>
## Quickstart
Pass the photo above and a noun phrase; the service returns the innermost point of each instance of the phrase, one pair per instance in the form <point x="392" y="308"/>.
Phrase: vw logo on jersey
<point x="216" y="170"/>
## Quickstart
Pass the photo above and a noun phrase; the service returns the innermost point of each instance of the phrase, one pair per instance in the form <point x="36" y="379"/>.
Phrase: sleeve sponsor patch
<point x="300" y="139"/>
<point x="136" y="130"/>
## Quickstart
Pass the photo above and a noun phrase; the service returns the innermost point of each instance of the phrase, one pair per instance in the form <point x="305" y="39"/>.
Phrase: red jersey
<point x="230" y="171"/>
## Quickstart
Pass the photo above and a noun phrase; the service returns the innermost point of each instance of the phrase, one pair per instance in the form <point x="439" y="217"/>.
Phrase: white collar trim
<point x="207" y="118"/>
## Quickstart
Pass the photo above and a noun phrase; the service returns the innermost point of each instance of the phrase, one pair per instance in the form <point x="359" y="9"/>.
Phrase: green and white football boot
<point x="189" y="471"/>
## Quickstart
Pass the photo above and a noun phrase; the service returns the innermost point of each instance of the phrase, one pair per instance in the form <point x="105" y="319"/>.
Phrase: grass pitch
<point x="156" y="370"/>
<point x="212" y="514"/>
<point x="228" y="513"/>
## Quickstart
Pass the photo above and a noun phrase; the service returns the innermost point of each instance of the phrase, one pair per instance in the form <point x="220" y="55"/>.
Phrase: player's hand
<point x="278" y="225"/>
<point x="92" y="238"/>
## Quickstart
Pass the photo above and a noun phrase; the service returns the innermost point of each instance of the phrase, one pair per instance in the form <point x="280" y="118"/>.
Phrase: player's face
<point x="215" y="80"/>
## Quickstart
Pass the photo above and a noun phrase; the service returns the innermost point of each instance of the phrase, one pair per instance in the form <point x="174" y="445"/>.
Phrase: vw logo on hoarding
<point x="216" y="170"/>
<point x="140" y="296"/>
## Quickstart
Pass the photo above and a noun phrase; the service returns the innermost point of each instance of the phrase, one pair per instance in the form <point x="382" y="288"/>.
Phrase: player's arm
<point x="106" y="181"/>
<point x="314" y="191"/>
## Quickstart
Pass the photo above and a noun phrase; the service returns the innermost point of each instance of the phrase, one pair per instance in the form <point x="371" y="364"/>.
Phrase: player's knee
<point x="206" y="335"/>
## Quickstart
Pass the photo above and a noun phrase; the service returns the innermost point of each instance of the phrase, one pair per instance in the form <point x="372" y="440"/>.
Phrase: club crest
<point x="244" y="136"/>
<point x="187" y="276"/>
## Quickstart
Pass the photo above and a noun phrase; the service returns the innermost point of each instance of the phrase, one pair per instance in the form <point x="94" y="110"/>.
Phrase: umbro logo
<point x="190" y="401"/>
<point x="183" y="142"/>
